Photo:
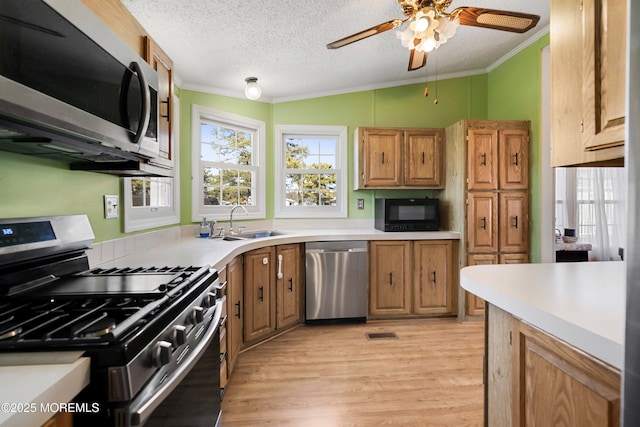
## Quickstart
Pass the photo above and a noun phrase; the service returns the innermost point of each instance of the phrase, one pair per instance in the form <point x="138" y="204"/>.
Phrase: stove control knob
<point x="161" y="353"/>
<point x="178" y="335"/>
<point x="197" y="315"/>
<point x="209" y="300"/>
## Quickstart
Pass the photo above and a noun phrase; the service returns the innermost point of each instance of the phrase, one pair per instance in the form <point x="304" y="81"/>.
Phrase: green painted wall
<point x="30" y="186"/>
<point x="37" y="187"/>
<point x="514" y="94"/>
<point x="403" y="106"/>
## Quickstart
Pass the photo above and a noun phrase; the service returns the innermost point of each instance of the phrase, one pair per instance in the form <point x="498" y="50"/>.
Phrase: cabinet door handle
<point x="516" y="221"/>
<point x="515" y="159"/>
<point x="279" y="266"/>
<point x="238" y="309"/>
<point x="423" y="157"/>
<point x="290" y="284"/>
<point x="484" y="159"/>
<point x="484" y="222"/>
<point x="168" y="109"/>
<point x="261" y="293"/>
<point x="434" y="277"/>
<point x="383" y="157"/>
<point x="390" y="278"/>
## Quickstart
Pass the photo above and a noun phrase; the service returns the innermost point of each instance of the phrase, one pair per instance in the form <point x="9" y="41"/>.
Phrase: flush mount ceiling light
<point x="252" y="90"/>
<point x="431" y="26"/>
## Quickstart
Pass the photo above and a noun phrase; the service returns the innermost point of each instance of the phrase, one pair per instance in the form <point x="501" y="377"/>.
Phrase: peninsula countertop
<point x="581" y="303"/>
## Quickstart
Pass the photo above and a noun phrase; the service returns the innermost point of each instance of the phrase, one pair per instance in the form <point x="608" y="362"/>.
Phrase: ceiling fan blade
<point x="417" y="59"/>
<point x="381" y="28"/>
<point x="496" y="19"/>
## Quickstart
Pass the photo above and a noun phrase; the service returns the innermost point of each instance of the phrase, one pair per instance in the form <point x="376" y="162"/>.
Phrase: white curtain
<point x="592" y="200"/>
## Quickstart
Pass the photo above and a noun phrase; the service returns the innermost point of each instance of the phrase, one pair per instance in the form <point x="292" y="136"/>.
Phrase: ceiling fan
<point x="431" y="26"/>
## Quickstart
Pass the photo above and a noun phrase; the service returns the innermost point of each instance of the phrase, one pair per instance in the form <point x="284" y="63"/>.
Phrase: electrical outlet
<point x="360" y="203"/>
<point x="110" y="206"/>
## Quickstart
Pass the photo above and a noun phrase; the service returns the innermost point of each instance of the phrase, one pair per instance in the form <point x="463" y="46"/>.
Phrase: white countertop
<point x="34" y="385"/>
<point x="581" y="303"/>
<point x="217" y="252"/>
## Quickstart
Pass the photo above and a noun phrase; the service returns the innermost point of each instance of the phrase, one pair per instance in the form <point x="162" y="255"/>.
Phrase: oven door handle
<point x="141" y="411"/>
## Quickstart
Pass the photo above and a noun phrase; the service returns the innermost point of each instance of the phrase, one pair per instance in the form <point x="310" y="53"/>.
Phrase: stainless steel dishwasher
<point x="337" y="277"/>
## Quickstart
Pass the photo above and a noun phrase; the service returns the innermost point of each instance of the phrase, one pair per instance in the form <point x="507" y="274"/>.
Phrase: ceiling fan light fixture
<point x="427" y="37"/>
<point x="252" y="90"/>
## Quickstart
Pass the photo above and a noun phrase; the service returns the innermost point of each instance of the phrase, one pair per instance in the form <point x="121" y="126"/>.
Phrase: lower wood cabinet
<point x="235" y="306"/>
<point x="61" y="419"/>
<point x="288" y="285"/>
<point x="272" y="290"/>
<point x="395" y="291"/>
<point x="535" y="379"/>
<point x="389" y="263"/>
<point x="259" y="293"/>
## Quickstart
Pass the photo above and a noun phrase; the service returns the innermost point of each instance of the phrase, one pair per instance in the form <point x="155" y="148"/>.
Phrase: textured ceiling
<point x="216" y="44"/>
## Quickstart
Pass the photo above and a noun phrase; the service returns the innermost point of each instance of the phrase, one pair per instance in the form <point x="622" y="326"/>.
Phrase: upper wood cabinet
<point x="164" y="66"/>
<point x="588" y="66"/>
<point x="399" y="158"/>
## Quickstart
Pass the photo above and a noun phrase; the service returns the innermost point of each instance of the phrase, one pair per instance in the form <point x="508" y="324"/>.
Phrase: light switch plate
<point x="110" y="206"/>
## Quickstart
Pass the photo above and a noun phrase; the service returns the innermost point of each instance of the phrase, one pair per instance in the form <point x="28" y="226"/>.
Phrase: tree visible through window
<point x="228" y="165"/>
<point x="311" y="177"/>
<point x="228" y="176"/>
<point x="311" y="165"/>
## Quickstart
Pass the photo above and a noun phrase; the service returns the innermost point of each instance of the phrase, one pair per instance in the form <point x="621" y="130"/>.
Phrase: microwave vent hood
<point x="79" y="154"/>
<point x="72" y="91"/>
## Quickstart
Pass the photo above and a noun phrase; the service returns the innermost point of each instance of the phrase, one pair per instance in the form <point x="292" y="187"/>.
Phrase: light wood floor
<point x="431" y="375"/>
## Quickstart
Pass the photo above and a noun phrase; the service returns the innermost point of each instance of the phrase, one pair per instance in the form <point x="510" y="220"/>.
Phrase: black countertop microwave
<point x="407" y="214"/>
<point x="70" y="88"/>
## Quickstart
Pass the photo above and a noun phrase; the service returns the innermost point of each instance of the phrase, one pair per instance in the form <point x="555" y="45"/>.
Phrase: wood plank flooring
<point x="431" y="375"/>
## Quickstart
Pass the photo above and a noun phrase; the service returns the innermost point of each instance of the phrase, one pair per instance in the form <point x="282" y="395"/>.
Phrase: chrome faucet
<point x="231" y="216"/>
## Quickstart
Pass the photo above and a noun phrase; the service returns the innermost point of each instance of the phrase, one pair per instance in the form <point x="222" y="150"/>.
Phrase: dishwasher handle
<point x="335" y="251"/>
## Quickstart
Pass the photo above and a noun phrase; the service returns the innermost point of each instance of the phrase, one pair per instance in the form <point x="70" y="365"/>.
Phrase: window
<point x="591" y="200"/>
<point x="311" y="178"/>
<point x="151" y="201"/>
<point x="228" y="164"/>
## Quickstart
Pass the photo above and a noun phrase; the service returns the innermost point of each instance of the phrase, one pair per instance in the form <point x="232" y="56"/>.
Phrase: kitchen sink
<point x="246" y="235"/>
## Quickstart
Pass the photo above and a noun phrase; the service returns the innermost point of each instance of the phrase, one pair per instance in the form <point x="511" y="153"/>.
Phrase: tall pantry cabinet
<point x="486" y="196"/>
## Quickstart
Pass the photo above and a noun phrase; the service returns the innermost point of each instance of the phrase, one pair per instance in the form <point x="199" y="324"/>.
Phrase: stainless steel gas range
<point x="152" y="334"/>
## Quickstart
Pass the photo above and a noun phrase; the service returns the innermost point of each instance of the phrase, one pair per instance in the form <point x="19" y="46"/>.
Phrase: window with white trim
<point x="311" y="171"/>
<point x="153" y="201"/>
<point x="228" y="164"/>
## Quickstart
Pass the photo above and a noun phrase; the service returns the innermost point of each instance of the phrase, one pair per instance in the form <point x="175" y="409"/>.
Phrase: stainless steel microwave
<point x="407" y="214"/>
<point x="71" y="88"/>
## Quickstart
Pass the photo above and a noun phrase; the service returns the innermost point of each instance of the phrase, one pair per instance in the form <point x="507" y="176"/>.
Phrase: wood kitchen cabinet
<point x="289" y="285"/>
<point x="588" y="88"/>
<point x="487" y="195"/>
<point x="399" y="158"/>
<point x="61" y="419"/>
<point x="533" y="378"/>
<point x="259" y="293"/>
<point x="161" y="62"/>
<point x="235" y="306"/>
<point x="433" y="277"/>
<point x="411" y="278"/>
<point x="389" y="290"/>
<point x="272" y="303"/>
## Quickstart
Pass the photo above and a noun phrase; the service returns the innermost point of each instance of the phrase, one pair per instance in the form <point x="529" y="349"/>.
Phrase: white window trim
<point x="338" y="211"/>
<point x="198" y="209"/>
<point x="142" y="218"/>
